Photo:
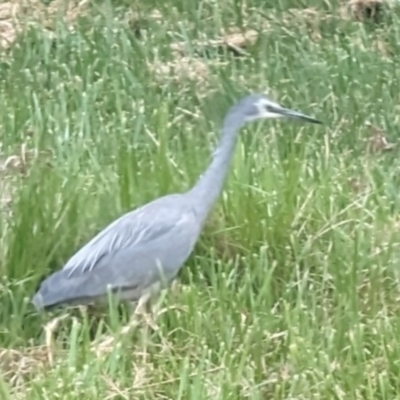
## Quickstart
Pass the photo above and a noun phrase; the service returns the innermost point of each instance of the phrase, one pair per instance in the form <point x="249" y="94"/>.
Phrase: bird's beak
<point x="285" y="112"/>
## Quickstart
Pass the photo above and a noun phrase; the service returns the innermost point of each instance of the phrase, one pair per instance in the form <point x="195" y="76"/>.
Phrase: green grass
<point x="292" y="291"/>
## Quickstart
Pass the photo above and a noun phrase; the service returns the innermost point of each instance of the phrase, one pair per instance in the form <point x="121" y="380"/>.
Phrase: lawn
<point x="293" y="289"/>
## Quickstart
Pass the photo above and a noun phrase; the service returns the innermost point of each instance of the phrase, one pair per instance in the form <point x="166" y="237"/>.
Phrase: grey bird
<point x="142" y="251"/>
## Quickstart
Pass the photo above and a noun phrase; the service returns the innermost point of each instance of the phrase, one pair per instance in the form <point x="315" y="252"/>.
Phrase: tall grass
<point x="292" y="291"/>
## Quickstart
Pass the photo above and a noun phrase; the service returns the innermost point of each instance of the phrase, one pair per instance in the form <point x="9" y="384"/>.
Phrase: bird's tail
<point x="54" y="290"/>
<point x="38" y="301"/>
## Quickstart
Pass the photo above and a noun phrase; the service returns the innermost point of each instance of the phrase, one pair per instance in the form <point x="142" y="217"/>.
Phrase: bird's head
<point x="258" y="106"/>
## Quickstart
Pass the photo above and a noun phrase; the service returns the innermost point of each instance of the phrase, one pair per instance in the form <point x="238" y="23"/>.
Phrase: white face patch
<point x="262" y="106"/>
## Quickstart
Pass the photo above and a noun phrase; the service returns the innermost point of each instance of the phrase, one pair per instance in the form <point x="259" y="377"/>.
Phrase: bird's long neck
<point x="209" y="186"/>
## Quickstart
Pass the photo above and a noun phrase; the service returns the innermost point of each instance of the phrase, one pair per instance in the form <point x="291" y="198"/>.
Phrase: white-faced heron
<point x="145" y="248"/>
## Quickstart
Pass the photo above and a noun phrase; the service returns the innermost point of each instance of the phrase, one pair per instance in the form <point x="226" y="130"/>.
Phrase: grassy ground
<point x="292" y="292"/>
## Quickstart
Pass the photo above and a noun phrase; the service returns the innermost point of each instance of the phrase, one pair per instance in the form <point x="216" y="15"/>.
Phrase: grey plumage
<point x="144" y="249"/>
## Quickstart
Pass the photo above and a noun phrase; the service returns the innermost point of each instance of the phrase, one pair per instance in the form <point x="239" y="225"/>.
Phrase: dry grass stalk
<point x="18" y="165"/>
<point x="18" y="366"/>
<point x="363" y="10"/>
<point x="235" y="41"/>
<point x="181" y="69"/>
<point x="309" y="16"/>
<point x="14" y="15"/>
<point x="377" y="142"/>
<point x="356" y="185"/>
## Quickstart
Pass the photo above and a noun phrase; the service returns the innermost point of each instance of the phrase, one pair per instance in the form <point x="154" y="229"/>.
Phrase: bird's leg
<point x="157" y="307"/>
<point x="49" y="330"/>
<point x="108" y="341"/>
<point x="144" y="310"/>
<point x="142" y="307"/>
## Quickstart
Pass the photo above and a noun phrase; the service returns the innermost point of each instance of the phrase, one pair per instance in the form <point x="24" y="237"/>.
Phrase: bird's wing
<point x="133" y="229"/>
